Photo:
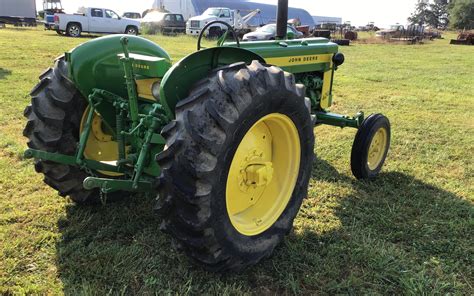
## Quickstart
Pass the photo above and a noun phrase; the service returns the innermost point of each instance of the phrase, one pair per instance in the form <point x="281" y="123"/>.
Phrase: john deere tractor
<point x="224" y="138"/>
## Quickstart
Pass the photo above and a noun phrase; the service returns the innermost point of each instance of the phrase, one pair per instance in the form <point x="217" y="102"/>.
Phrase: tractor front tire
<point x="238" y="127"/>
<point x="370" y="147"/>
<point x="54" y="118"/>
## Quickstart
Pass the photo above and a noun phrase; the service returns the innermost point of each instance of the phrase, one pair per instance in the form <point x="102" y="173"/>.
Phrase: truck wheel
<point x="215" y="32"/>
<point x="370" y="147"/>
<point x="54" y="125"/>
<point x="131" y="30"/>
<point x="237" y="165"/>
<point x="73" y="30"/>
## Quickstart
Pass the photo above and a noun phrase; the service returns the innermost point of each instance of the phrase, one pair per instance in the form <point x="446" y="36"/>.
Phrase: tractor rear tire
<point x="54" y="118"/>
<point x="202" y="143"/>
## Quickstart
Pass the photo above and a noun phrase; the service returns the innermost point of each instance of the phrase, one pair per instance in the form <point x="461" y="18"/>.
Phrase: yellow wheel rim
<point x="100" y="146"/>
<point x="263" y="174"/>
<point x="377" y="148"/>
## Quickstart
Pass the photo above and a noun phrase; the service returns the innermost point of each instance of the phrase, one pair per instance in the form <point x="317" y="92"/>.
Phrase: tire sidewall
<point x="135" y="30"/>
<point x="69" y="29"/>
<point x="286" y="103"/>
<point x="365" y="135"/>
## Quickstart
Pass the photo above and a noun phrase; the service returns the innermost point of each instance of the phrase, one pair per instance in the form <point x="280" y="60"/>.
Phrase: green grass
<point x="409" y="232"/>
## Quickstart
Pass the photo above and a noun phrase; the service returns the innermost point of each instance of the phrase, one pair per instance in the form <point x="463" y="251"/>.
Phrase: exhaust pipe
<point x="282" y="19"/>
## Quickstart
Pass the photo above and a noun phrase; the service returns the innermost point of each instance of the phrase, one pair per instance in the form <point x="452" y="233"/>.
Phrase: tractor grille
<point x="194" y="24"/>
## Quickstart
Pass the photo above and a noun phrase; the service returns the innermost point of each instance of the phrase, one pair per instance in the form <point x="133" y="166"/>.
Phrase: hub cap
<point x="377" y="149"/>
<point x="263" y="174"/>
<point x="74" y="30"/>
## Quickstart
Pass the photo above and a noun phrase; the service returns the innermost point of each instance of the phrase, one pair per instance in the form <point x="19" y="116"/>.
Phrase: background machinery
<point x="464" y="38"/>
<point x="18" y="12"/>
<point x="224" y="138"/>
<point x="239" y="23"/>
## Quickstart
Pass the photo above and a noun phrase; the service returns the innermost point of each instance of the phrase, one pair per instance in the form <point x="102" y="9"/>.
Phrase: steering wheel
<point x="229" y="29"/>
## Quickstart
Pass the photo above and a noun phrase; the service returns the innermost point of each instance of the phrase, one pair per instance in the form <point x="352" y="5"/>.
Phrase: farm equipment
<point x="296" y="23"/>
<point x="398" y="33"/>
<point x="224" y="138"/>
<point x="464" y="38"/>
<point x="340" y="34"/>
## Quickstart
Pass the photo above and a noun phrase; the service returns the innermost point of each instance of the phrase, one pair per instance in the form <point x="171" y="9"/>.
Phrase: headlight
<point x="155" y="90"/>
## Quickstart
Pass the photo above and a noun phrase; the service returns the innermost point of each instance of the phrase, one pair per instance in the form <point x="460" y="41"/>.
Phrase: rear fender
<point x="95" y="64"/>
<point x="180" y="78"/>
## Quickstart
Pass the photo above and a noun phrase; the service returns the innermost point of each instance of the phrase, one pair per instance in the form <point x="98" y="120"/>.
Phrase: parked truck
<point x="95" y="20"/>
<point x="165" y="23"/>
<point x="18" y="12"/>
<point x="50" y="8"/>
<point x="226" y="15"/>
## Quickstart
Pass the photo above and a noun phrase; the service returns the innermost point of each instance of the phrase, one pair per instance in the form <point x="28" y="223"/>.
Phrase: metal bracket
<point x="339" y="120"/>
<point x="71" y="160"/>
<point x="111" y="185"/>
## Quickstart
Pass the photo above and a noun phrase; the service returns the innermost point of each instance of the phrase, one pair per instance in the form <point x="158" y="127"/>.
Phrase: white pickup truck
<point x="95" y="20"/>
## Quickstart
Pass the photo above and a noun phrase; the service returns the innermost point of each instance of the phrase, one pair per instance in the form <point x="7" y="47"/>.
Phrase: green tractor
<point x="224" y="138"/>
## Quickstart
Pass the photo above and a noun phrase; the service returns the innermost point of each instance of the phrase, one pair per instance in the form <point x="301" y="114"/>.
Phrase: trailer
<point x="18" y="12"/>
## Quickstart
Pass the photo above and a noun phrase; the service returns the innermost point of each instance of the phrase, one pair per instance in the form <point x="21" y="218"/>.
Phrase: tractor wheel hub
<point x="258" y="174"/>
<point x="263" y="174"/>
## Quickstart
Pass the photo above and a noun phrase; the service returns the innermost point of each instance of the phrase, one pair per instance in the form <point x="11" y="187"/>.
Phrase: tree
<point x="462" y="14"/>
<point x="434" y="14"/>
<point x="421" y="14"/>
<point x="438" y="14"/>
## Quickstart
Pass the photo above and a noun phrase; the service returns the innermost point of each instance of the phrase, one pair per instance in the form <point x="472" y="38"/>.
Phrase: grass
<point x="409" y="232"/>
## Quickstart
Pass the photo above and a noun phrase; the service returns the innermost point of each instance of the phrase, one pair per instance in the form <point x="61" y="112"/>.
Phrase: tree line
<point x="443" y="14"/>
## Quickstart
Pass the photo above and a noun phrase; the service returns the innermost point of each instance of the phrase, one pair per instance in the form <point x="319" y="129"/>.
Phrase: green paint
<point x="292" y="48"/>
<point x="86" y="132"/>
<point x="105" y="69"/>
<point x="95" y="64"/>
<point x="339" y="120"/>
<point x="111" y="185"/>
<point x="179" y="79"/>
<point x="130" y="82"/>
<point x="71" y="160"/>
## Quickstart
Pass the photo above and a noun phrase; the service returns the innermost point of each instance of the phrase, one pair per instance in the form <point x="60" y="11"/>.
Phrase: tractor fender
<point x="178" y="81"/>
<point x="95" y="64"/>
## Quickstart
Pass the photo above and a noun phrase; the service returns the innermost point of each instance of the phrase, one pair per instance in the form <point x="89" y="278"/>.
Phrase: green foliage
<point x="410" y="232"/>
<point x="433" y="14"/>
<point x="438" y="16"/>
<point x="462" y="14"/>
<point x="421" y="14"/>
<point x="150" y="29"/>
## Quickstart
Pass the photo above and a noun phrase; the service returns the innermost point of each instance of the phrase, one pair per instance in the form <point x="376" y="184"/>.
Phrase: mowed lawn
<point x="409" y="232"/>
